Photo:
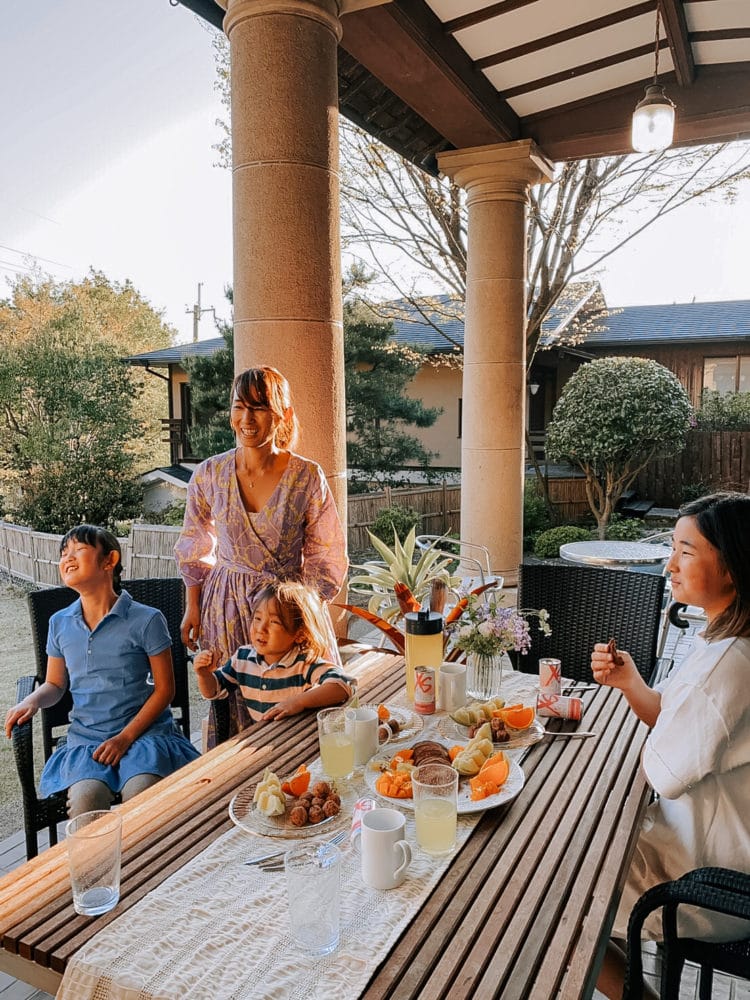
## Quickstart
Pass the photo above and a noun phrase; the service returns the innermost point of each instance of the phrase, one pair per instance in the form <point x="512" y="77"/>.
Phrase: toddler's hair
<point x="299" y="607"/>
<point x="98" y="538"/>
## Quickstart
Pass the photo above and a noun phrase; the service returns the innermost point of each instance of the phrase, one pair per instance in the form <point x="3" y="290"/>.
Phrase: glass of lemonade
<point x="336" y="744"/>
<point x="435" y="791"/>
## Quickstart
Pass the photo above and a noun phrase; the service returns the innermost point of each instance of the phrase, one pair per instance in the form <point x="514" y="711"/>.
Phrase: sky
<point x="107" y="162"/>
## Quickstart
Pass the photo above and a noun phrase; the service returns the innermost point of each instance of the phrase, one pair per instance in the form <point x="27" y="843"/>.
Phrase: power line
<point x="26" y="253"/>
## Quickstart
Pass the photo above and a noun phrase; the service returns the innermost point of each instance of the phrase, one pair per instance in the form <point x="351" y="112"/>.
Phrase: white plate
<point x="507" y="793"/>
<point x="452" y="730"/>
<point x="244" y="814"/>
<point x="410" y="724"/>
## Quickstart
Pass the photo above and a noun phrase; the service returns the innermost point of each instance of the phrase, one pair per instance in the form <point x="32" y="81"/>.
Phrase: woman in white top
<point x="697" y="756"/>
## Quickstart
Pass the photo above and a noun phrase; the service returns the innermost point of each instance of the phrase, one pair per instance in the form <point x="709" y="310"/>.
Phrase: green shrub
<point x="174" y="514"/>
<point x="547" y="544"/>
<point x="624" y="529"/>
<point x="396" y="518"/>
<point x="536" y="516"/>
<point x="694" y="491"/>
<point x="723" y="411"/>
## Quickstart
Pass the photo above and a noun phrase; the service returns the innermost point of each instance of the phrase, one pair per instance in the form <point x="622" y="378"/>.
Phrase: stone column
<point x="287" y="254"/>
<point x="497" y="181"/>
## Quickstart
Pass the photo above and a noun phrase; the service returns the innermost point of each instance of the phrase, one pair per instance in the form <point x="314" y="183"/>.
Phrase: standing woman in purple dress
<point x="255" y="514"/>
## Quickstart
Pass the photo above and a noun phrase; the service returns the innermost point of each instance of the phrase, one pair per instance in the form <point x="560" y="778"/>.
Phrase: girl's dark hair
<point x="98" y="538"/>
<point x="266" y="386"/>
<point x="299" y="607"/>
<point x="724" y="520"/>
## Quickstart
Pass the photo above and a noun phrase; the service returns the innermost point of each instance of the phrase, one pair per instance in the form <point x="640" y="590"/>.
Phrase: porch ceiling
<point x="428" y="75"/>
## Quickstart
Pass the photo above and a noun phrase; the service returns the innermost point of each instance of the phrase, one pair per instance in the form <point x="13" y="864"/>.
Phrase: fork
<point x="338" y="838"/>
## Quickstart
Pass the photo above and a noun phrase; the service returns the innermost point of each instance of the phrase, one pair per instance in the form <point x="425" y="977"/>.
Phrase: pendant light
<point x="653" y="118"/>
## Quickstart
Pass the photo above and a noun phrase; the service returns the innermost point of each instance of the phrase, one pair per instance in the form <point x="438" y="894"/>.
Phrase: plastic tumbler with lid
<point x="424" y="645"/>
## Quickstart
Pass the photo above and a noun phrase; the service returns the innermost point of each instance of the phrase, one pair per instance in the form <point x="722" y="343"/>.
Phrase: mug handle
<point x="384" y="727"/>
<point x="403" y="846"/>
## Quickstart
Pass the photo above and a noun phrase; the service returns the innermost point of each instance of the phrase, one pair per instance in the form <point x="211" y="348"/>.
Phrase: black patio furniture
<point x="586" y="605"/>
<point x="720" y="890"/>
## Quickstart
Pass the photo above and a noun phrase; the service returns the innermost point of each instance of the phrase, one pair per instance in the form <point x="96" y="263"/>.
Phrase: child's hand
<point x="112" y="750"/>
<point x="203" y="662"/>
<point x="607" y="672"/>
<point x="290" y="706"/>
<point x="20" y="713"/>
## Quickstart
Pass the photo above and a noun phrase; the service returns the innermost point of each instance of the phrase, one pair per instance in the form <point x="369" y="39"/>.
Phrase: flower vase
<point x="484" y="675"/>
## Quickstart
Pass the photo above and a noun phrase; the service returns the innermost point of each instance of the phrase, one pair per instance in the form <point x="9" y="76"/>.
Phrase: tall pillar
<point x="287" y="253"/>
<point x="497" y="181"/>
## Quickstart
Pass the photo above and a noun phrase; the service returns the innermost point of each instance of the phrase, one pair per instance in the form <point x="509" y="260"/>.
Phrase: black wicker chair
<point x="718" y="889"/>
<point x="168" y="596"/>
<point x="588" y="605"/>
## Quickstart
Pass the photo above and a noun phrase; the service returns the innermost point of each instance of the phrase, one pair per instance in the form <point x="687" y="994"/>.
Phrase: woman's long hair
<point x="97" y="538"/>
<point x="299" y="607"/>
<point x="724" y="521"/>
<point x="266" y="386"/>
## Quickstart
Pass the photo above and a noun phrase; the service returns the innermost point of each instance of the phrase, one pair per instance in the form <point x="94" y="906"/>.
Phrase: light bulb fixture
<point x="533" y="388"/>
<point x="653" y="118"/>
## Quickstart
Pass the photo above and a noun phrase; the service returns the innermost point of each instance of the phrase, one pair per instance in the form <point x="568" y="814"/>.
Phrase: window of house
<point x="727" y="374"/>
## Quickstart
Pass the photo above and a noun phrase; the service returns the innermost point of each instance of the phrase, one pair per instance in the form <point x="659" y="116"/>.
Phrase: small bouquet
<point x="487" y="629"/>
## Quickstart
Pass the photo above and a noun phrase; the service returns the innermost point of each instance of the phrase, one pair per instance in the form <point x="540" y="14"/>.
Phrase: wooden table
<point x="524" y="910"/>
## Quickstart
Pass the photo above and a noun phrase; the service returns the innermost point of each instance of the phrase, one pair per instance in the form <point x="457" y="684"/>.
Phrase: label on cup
<point x="550" y="675"/>
<point x="556" y="706"/>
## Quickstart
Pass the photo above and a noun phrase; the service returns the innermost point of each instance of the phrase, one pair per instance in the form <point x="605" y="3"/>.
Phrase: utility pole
<point x="198" y="312"/>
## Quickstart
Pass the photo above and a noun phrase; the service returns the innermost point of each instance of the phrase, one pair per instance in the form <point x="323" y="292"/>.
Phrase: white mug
<point x="452" y="686"/>
<point x="364" y="727"/>
<point x="385" y="853"/>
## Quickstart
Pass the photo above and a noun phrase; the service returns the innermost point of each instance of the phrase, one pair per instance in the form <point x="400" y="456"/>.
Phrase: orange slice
<point x="454" y="752"/>
<point x="298" y="783"/>
<point x="518" y="717"/>
<point x="383" y="713"/>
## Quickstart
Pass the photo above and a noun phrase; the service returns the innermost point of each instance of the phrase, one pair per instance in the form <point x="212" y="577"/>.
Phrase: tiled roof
<point x="678" y="323"/>
<point x="632" y="325"/>
<point x="174" y="355"/>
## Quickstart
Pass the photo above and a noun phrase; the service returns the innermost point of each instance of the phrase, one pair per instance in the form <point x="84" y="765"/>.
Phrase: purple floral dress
<point x="232" y="554"/>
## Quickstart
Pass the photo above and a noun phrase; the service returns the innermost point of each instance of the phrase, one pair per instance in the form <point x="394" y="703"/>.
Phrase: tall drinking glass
<point x="435" y="791"/>
<point x="336" y="744"/>
<point x="313" y="875"/>
<point x="94" y="842"/>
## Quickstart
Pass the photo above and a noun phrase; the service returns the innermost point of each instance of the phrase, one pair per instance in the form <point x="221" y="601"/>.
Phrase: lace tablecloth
<point x="218" y="929"/>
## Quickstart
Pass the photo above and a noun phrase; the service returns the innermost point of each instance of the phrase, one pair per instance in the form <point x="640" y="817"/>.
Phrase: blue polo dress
<point x="108" y="673"/>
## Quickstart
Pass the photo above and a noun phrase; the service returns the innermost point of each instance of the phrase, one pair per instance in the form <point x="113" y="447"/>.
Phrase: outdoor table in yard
<point x="523" y="909"/>
<point x="615" y="553"/>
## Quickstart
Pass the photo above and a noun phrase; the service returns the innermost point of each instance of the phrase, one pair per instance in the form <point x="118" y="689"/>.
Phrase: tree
<point x="410" y="227"/>
<point x="210" y="381"/>
<point x="613" y="417"/>
<point x="377" y="372"/>
<point x="95" y="311"/>
<point x="69" y="425"/>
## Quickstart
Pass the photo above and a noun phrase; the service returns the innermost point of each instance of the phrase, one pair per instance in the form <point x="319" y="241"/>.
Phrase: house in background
<point x="705" y="344"/>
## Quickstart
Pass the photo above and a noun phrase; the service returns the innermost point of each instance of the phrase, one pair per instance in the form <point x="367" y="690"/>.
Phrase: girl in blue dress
<point x="115" y="654"/>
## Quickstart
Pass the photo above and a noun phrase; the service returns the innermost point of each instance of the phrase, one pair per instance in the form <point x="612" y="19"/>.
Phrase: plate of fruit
<point x="299" y="806"/>
<point x="487" y="777"/>
<point x="511" y="726"/>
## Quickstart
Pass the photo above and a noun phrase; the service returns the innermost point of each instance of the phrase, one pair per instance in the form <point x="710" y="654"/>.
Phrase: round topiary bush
<point x="547" y="544"/>
<point x="396" y="518"/>
<point x="624" y="529"/>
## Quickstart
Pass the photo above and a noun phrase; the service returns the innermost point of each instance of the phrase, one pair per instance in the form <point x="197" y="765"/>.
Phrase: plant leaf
<point x="396" y="637"/>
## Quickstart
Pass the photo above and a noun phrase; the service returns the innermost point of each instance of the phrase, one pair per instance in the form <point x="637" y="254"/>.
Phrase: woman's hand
<point x="190" y="627"/>
<point x="19" y="714"/>
<point x="112" y="751"/>
<point x="607" y="672"/>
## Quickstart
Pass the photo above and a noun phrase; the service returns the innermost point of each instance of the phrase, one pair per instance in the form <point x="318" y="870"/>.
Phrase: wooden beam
<point x="716" y="108"/>
<point x="675" y="25"/>
<point x="403" y="45"/>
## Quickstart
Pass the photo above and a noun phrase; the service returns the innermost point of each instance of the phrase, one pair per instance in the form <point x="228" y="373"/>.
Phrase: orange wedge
<point x="298" y="783"/>
<point x="518" y="717"/>
<point x="454" y="752"/>
<point x="495" y="770"/>
<point x="383" y="713"/>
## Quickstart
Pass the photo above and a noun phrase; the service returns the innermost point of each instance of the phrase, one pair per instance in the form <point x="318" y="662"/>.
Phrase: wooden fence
<point x="711" y="460"/>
